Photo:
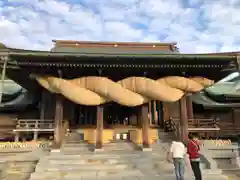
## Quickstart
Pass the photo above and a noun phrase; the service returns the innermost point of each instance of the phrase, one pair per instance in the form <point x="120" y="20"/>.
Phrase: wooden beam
<point x="183" y="119"/>
<point x="58" y="120"/>
<point x="145" y="125"/>
<point x="99" y="129"/>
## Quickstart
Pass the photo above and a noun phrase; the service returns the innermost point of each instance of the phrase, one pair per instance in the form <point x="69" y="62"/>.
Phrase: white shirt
<point x="177" y="149"/>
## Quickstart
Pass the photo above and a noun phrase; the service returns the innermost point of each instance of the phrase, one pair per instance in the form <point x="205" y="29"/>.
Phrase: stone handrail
<point x="132" y="91"/>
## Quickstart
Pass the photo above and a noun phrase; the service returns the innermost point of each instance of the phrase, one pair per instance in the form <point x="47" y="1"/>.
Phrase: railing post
<point x="17" y="135"/>
<point x="35" y="135"/>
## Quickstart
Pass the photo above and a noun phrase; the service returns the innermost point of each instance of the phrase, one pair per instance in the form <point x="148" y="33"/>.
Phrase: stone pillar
<point x="183" y="119"/>
<point x="145" y="126"/>
<point x="58" y="120"/>
<point x="99" y="129"/>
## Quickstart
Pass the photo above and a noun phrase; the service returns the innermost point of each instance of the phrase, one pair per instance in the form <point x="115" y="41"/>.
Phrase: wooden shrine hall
<point x="107" y="91"/>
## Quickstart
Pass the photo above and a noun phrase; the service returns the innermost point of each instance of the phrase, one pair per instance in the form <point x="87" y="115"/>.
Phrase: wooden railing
<point x="200" y="122"/>
<point x="195" y="125"/>
<point x="25" y="125"/>
<point x="175" y="126"/>
<point x="37" y="126"/>
<point x="203" y="125"/>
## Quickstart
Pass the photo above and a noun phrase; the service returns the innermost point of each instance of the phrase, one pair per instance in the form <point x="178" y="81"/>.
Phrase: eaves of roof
<point x="28" y="53"/>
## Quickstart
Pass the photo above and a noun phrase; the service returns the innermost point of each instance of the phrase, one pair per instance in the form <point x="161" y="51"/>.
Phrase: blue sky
<point x="197" y="25"/>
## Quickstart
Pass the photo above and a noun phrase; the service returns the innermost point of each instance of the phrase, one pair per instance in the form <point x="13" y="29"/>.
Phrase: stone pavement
<point x="118" y="161"/>
<point x="19" y="165"/>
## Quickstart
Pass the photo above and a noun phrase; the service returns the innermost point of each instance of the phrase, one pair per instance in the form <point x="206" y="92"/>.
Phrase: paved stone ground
<point x="19" y="165"/>
<point x="118" y="161"/>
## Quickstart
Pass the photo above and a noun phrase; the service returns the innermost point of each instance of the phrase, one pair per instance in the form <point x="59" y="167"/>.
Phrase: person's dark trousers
<point x="196" y="170"/>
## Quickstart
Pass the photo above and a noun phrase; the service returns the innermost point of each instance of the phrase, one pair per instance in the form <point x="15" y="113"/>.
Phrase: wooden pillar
<point x="144" y="125"/>
<point x="150" y="112"/>
<point x="233" y="116"/>
<point x="58" y="119"/>
<point x="236" y="114"/>
<point x="99" y="130"/>
<point x="183" y="119"/>
<point x="166" y="114"/>
<point x="160" y="115"/>
<point x="154" y="113"/>
<point x="43" y="105"/>
<point x="189" y="106"/>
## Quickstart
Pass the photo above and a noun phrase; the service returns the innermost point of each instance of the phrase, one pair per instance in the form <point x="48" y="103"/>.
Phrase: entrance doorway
<point x="119" y="116"/>
<point x="84" y="116"/>
<point x="121" y="120"/>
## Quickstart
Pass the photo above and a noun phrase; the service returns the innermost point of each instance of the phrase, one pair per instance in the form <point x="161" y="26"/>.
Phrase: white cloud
<point x="198" y="26"/>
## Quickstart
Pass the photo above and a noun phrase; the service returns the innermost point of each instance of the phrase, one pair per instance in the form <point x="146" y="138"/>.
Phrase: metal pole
<point x="3" y="76"/>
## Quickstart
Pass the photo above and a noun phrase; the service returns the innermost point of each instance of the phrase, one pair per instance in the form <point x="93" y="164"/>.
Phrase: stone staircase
<point x="118" y="160"/>
<point x="75" y="161"/>
<point x="19" y="165"/>
<point x="20" y="170"/>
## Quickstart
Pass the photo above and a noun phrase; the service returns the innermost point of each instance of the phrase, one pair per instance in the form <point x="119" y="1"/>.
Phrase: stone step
<point x="76" y="150"/>
<point x="77" y="175"/>
<point x="83" y="167"/>
<point x="14" y="176"/>
<point x="85" y="161"/>
<point x="20" y="169"/>
<point x="76" y="145"/>
<point x="80" y="148"/>
<point x="60" y="156"/>
<point x="187" y="177"/>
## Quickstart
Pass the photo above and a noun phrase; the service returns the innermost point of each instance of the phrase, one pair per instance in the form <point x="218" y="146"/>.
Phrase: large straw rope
<point x="132" y="91"/>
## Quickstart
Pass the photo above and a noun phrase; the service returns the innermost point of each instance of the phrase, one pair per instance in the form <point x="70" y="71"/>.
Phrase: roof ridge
<point x="112" y="42"/>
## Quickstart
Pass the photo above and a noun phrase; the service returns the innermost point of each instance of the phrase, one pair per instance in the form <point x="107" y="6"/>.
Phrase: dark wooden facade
<point x="158" y="60"/>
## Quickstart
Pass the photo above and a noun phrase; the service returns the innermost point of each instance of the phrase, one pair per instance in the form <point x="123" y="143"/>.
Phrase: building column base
<point x="98" y="147"/>
<point x="98" y="150"/>
<point x="145" y="149"/>
<point x="55" y="150"/>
